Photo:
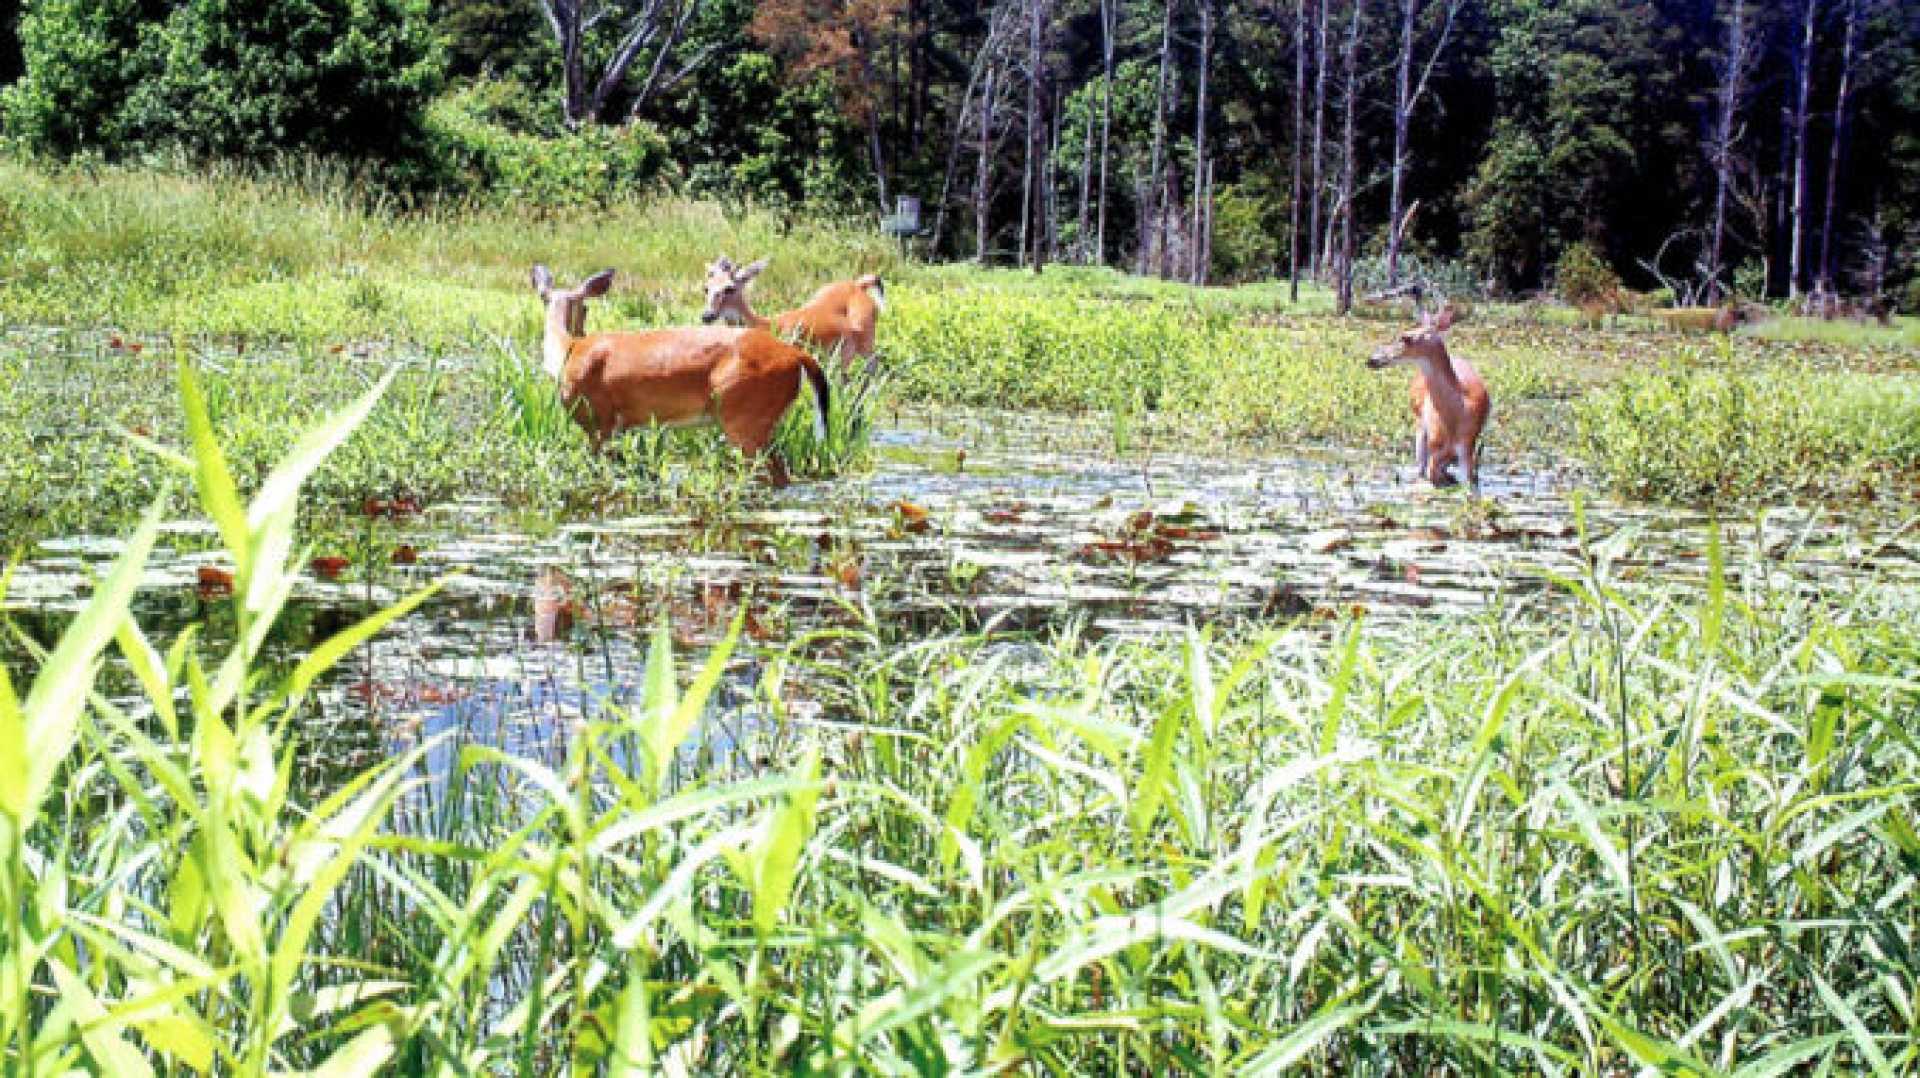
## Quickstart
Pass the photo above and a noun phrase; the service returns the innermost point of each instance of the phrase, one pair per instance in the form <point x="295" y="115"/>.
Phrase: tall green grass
<point x="1658" y="830"/>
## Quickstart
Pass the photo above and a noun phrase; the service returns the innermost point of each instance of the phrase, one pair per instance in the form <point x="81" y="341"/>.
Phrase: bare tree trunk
<point x="1299" y="140"/>
<point x="1350" y="71"/>
<point x="1843" y="99"/>
<point x="1733" y="72"/>
<point x="1200" y="170"/>
<point x="1315" y="185"/>
<point x="1803" y="76"/>
<point x="1169" y="188"/>
<point x="1080" y="235"/>
<point x="1109" y="24"/>
<point x="983" y="174"/>
<point x="1151" y="223"/>
<point x="1051" y="204"/>
<point x="1206" y="231"/>
<point x="1029" y="200"/>
<point x="981" y="65"/>
<point x="1407" y="98"/>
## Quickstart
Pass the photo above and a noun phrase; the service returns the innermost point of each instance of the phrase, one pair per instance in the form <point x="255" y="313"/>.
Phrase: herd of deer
<point x="744" y="375"/>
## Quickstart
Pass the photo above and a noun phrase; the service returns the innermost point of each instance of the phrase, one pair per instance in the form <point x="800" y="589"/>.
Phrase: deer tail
<point x="817" y="379"/>
<point x="871" y="282"/>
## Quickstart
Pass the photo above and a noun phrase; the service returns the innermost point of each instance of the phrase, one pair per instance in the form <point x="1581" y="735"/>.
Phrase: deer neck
<point x="558" y="342"/>
<point x="1443" y="386"/>
<point x="750" y="318"/>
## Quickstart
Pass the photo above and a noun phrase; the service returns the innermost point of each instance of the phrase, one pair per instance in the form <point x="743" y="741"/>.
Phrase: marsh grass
<point x="1668" y="830"/>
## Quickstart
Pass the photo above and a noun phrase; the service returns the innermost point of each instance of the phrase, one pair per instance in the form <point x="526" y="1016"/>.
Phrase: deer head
<point x="1424" y="343"/>
<point x="727" y="291"/>
<point x="566" y="312"/>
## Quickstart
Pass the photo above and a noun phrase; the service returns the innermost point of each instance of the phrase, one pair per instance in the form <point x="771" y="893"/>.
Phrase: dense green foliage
<point x="239" y="79"/>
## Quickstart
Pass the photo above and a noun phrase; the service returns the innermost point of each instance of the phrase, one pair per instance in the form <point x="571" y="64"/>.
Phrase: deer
<point x="840" y="318"/>
<point x="742" y="379"/>
<point x="1450" y="401"/>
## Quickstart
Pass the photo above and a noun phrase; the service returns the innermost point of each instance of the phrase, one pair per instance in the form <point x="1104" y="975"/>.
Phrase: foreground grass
<point x="1664" y="830"/>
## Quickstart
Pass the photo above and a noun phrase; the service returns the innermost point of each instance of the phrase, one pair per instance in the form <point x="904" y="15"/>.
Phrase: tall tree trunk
<point x="1299" y="142"/>
<point x="1732" y="85"/>
<point x="1084" y="220"/>
<point x="1407" y="94"/>
<point x="1402" y="115"/>
<point x="1350" y="71"/>
<point x="1109" y="24"/>
<point x="1842" y="100"/>
<point x="982" y="66"/>
<point x="1315" y="186"/>
<point x="1803" y="77"/>
<point x="1029" y="194"/>
<point x="1151" y="223"/>
<point x="983" y="173"/>
<point x="1197" y="272"/>
<point x="1050" y="234"/>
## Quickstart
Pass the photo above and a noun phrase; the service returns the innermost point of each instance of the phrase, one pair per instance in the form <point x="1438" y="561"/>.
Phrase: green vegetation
<point x="1665" y="828"/>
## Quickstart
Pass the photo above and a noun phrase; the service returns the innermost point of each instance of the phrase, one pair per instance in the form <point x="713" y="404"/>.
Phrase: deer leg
<point x="748" y="416"/>
<point x="1419" y="449"/>
<point x="1464" y="455"/>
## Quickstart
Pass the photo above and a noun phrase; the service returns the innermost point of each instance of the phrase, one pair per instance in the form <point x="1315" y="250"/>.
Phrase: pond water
<point x="973" y="522"/>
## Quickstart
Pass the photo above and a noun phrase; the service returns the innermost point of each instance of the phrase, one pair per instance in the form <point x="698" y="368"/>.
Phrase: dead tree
<point x="1299" y="140"/>
<point x="1842" y="101"/>
<point x="1407" y="94"/>
<point x="1198" y="274"/>
<point x="659" y="25"/>
<point x="1734" y="66"/>
<point x="1350" y="73"/>
<point x="1803" y="87"/>
<point x="1315" y="184"/>
<point x="983" y="173"/>
<point x="1150" y="223"/>
<point x="1109" y="26"/>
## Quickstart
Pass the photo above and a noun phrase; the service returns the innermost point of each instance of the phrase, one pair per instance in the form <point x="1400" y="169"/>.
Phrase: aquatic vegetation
<point x="1667" y="827"/>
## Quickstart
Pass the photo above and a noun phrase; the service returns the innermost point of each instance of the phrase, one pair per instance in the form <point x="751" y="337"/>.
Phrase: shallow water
<point x="981" y="521"/>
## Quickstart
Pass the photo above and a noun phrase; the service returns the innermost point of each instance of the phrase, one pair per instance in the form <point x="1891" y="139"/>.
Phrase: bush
<point x="474" y="147"/>
<point x="1582" y="277"/>
<point x="1682" y="435"/>
<point x="1249" y="227"/>
<point x="225" y="77"/>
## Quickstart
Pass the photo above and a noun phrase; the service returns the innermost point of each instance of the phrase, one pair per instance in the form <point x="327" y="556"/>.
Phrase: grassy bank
<point x="1667" y="830"/>
<point x="296" y="289"/>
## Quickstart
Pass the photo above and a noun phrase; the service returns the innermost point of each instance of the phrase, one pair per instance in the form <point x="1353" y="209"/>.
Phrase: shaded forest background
<point x="1764" y="148"/>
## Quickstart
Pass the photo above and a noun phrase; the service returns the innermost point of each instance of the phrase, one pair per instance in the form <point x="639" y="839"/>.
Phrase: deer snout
<point x="707" y="318"/>
<point x="1381" y="358"/>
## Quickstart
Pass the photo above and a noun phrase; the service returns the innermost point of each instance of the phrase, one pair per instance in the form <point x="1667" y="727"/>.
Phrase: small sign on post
<point x="905" y="219"/>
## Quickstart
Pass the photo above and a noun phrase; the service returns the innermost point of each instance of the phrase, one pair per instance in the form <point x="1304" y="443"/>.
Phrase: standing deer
<point x="841" y="317"/>
<point x="744" y="379"/>
<point x="1450" y="402"/>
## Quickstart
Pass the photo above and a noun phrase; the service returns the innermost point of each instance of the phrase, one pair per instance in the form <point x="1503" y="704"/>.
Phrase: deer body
<point x="1449" y="398"/>
<point x="742" y="379"/>
<point x="842" y="317"/>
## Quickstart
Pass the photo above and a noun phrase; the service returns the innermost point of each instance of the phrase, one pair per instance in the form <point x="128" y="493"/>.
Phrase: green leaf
<point x="218" y="495"/>
<point x="52" y="708"/>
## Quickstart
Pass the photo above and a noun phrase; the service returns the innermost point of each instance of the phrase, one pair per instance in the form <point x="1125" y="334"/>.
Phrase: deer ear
<point x="542" y="280"/>
<point x="723" y="264"/>
<point x="596" y="286"/>
<point x="749" y="271"/>
<point x="1444" y="320"/>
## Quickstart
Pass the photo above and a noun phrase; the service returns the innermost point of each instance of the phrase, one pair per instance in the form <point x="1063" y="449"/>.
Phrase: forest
<point x="1760" y="148"/>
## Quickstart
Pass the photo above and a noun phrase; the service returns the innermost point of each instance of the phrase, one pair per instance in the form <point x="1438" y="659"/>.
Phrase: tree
<point x="839" y="38"/>
<point x="1407" y="94"/>
<point x="659" y="25"/>
<point x="1842" y="102"/>
<point x="1299" y="140"/>
<point x="349" y="78"/>
<point x="1803" y="60"/>
<point x="1735" y="62"/>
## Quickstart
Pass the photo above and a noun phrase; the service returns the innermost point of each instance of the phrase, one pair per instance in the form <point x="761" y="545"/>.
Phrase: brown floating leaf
<point x="329" y="567"/>
<point x="213" y="581"/>
<point x="405" y="555"/>
<point x="909" y="512"/>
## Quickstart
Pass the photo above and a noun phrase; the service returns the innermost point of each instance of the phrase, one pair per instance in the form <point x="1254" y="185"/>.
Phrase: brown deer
<point x="1450" y="401"/>
<point x="840" y="318"/>
<point x="743" y="379"/>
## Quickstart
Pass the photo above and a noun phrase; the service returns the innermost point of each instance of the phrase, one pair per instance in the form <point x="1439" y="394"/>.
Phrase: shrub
<point x="474" y="148"/>
<point x="1582" y="277"/>
<point x="225" y="77"/>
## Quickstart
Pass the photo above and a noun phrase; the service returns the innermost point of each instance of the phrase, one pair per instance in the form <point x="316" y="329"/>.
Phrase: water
<point x="1015" y="524"/>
